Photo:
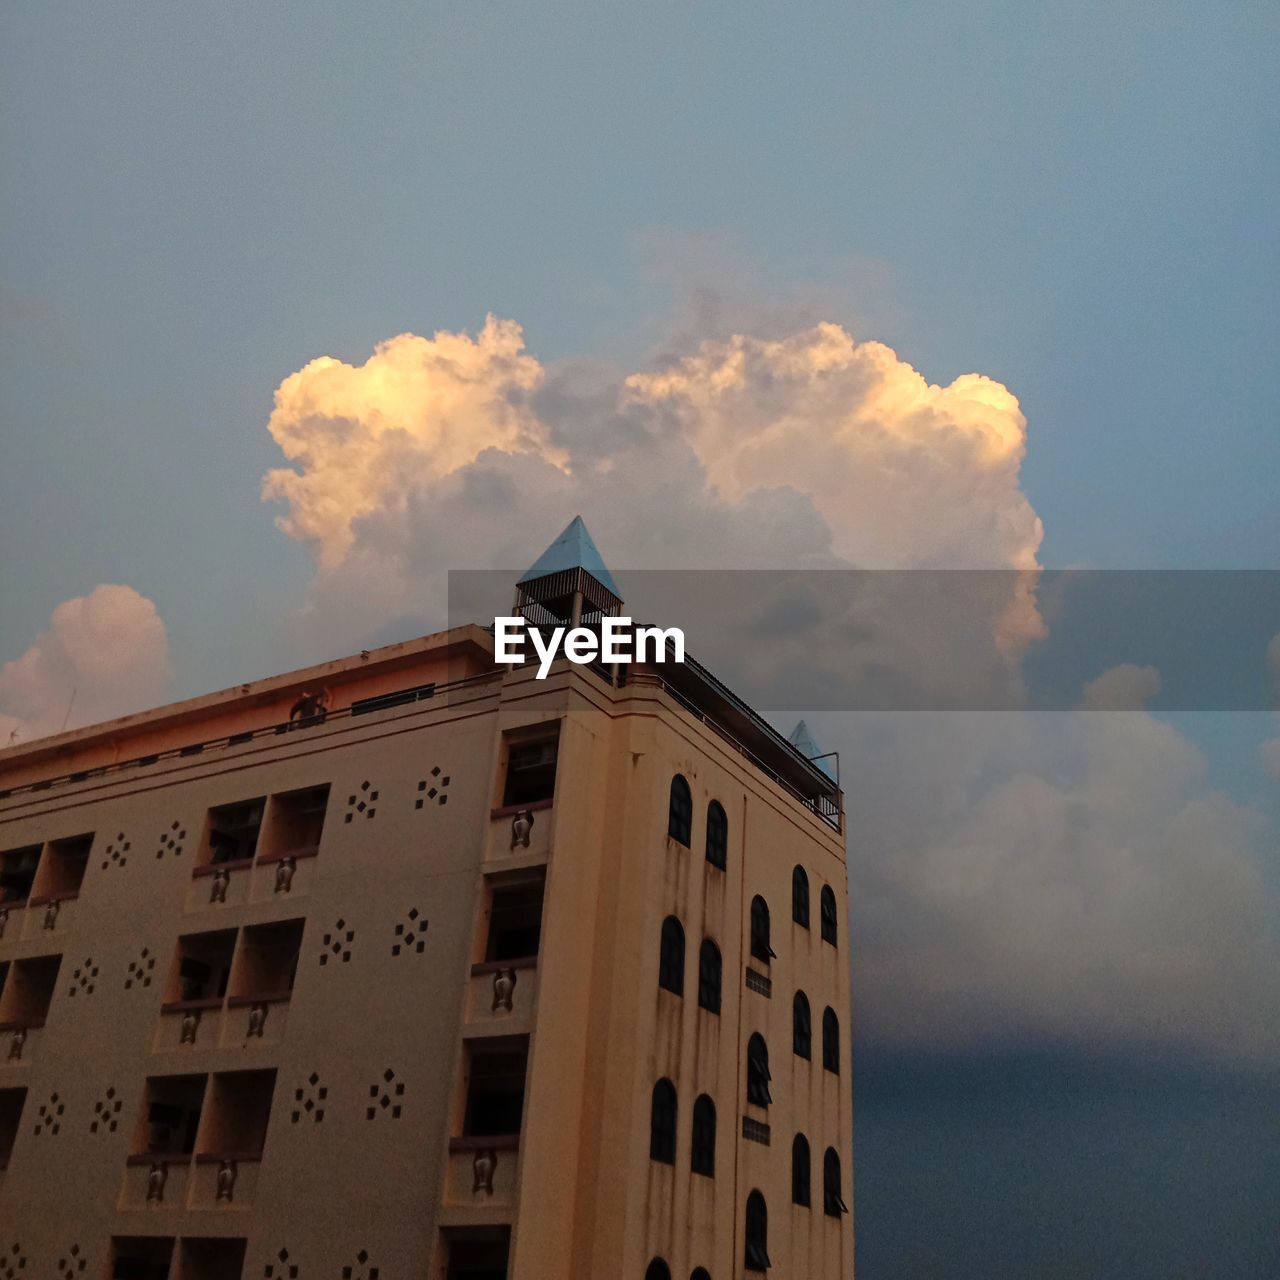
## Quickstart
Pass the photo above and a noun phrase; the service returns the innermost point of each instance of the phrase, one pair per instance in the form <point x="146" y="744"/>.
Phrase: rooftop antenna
<point x="70" y="703"/>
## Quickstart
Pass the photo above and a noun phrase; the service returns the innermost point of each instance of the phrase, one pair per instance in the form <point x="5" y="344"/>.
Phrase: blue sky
<point x="1076" y="200"/>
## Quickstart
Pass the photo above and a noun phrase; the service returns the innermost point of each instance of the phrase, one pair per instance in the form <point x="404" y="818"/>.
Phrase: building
<point x="412" y="965"/>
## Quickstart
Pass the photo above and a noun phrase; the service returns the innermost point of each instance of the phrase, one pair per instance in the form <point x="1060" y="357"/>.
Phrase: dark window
<point x="760" y="947"/>
<point x="757" y="1233"/>
<point x="680" y="812"/>
<point x="830" y="1041"/>
<point x="709" y="976"/>
<point x="700" y="1273"/>
<point x="140" y="1257"/>
<point x="233" y="831"/>
<point x="657" y="1270"/>
<point x="479" y="1253"/>
<point x="295" y="822"/>
<point x="662" y="1123"/>
<point x="717" y="835"/>
<point x="833" y="1204"/>
<point x="800" y="897"/>
<point x="238" y="1111"/>
<point x="27" y="989"/>
<point x="801" y="1029"/>
<point x="515" y="918"/>
<point x="171" y="1106"/>
<point x="18" y="873"/>
<point x="758" y="1071"/>
<point x="703" y="1159"/>
<point x="671" y="957"/>
<point x="531" y="772"/>
<point x="63" y="868"/>
<point x="828" y="915"/>
<point x="11" y="1104"/>
<point x="800" y="1170"/>
<point x="495" y="1091"/>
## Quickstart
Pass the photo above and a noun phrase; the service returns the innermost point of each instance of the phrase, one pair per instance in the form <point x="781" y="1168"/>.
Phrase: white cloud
<point x="1123" y="688"/>
<point x="103" y="655"/>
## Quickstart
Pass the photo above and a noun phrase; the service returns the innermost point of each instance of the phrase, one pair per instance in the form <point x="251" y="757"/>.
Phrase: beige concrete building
<point x="410" y="965"/>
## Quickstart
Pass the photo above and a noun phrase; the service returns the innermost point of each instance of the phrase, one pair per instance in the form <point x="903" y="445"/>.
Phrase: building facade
<point x="410" y="965"/>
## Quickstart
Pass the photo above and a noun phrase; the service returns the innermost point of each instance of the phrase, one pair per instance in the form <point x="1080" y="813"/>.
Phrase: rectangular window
<point x="495" y="1088"/>
<point x="170" y="1116"/>
<point x="231" y="833"/>
<point x="531" y="770"/>
<point x="268" y="960"/>
<point x="62" y="868"/>
<point x="28" y="991"/>
<point x="295" y="822"/>
<point x="211" y="1258"/>
<point x="18" y="873"/>
<point x="237" y="1113"/>
<point x="515" y="916"/>
<point x="478" y="1253"/>
<point x="11" y="1104"/>
<point x="201" y="966"/>
<point x="141" y="1257"/>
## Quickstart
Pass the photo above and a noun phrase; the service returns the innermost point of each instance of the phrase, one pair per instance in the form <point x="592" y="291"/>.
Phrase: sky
<point x="302" y="306"/>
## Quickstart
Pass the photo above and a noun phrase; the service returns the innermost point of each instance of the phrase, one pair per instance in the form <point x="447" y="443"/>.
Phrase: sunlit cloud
<point x="102" y="655"/>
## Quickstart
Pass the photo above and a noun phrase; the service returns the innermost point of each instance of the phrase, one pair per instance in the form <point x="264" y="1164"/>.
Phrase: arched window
<point x="800" y="897"/>
<point x="657" y="1270"/>
<point x="800" y="1170"/>
<point x="699" y="1273"/>
<point x="717" y="835"/>
<point x="671" y="957"/>
<point x="662" y="1123"/>
<point x="760" y="947"/>
<point x="758" y="1071"/>
<point x="703" y="1159"/>
<point x="828" y="907"/>
<point x="801" y="1030"/>
<point x="680" y="811"/>
<point x="757" y="1233"/>
<point x="830" y="1041"/>
<point x="833" y="1204"/>
<point x="709" y="976"/>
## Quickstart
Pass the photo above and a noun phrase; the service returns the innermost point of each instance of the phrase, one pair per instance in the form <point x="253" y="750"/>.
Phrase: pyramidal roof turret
<point x="573" y="549"/>
<point x="805" y="744"/>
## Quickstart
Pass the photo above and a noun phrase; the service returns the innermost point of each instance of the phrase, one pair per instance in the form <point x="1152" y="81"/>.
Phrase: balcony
<point x="262" y="983"/>
<point x="158" y="1170"/>
<point x="210" y="1258"/>
<point x="233" y="1131"/>
<point x="227" y="848"/>
<point x="51" y="904"/>
<point x="17" y="876"/>
<point x="191" y="1014"/>
<point x="520" y="826"/>
<point x="26" y="992"/>
<point x="140" y="1257"/>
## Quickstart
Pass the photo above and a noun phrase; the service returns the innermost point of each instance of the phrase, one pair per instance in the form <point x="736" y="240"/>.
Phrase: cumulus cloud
<point x="1067" y="878"/>
<point x="1123" y="688"/>
<point x="808" y="450"/>
<point x="103" y="655"/>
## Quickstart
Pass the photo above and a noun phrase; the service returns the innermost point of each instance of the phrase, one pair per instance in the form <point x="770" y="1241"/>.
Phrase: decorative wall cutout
<point x="115" y="854"/>
<point x="72" y="1263"/>
<point x="362" y="802"/>
<point x="281" y="1268"/>
<point x="434" y="788"/>
<point x="49" y="1117"/>
<point x="172" y="841"/>
<point x="106" y="1113"/>
<point x="309" y="1103"/>
<point x="140" y="970"/>
<point x="13" y="1263"/>
<point x="411" y="936"/>
<point x="361" y="1270"/>
<point x="385" y="1097"/>
<point x="84" y="979"/>
<point x="337" y="944"/>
